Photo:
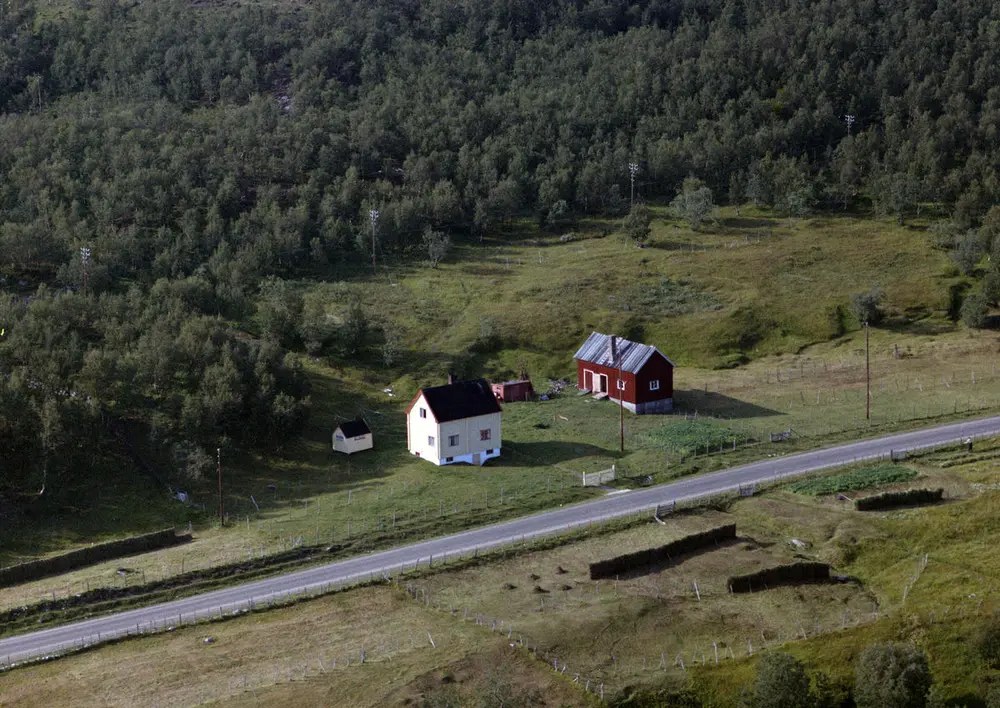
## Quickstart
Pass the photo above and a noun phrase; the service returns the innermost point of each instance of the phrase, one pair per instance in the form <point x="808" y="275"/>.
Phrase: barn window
<point x="486" y="434"/>
<point x="621" y="384"/>
<point x="452" y="441"/>
<point x="423" y="412"/>
<point x="654" y="385"/>
<point x="430" y="441"/>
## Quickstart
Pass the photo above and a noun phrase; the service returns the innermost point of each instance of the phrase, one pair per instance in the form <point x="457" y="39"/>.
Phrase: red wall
<point x="636" y="386"/>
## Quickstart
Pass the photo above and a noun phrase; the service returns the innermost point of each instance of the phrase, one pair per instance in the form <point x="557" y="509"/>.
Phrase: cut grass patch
<point x="855" y="480"/>
<point x="688" y="436"/>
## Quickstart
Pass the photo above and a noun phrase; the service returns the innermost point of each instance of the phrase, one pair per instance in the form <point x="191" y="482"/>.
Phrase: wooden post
<point x="868" y="377"/>
<point x="222" y="507"/>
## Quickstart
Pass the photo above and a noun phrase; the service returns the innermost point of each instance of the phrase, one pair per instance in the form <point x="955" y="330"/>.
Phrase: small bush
<point x="892" y="676"/>
<point x="782" y="682"/>
<point x="855" y="480"/>
<point x="889" y="500"/>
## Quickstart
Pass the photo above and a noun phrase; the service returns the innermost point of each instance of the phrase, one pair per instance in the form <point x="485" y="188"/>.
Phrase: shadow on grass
<point x="748" y="222"/>
<point x="522" y="454"/>
<point x="718" y="404"/>
<point x="922" y="326"/>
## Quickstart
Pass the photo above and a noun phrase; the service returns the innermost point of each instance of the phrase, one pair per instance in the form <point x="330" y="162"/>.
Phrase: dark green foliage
<point x="867" y="307"/>
<point x="693" y="203"/>
<point x="636" y="224"/>
<point x="890" y="500"/>
<point x="893" y="675"/>
<point x="975" y="310"/>
<point x="988" y="642"/>
<point x="619" y="565"/>
<point x="782" y="682"/>
<point x="791" y="574"/>
<point x="968" y="251"/>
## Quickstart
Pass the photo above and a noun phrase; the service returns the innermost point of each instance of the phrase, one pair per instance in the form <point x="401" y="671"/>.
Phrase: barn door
<point x="588" y="380"/>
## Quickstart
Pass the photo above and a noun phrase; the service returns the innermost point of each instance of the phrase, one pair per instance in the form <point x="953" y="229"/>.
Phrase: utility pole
<point x="222" y="508"/>
<point x="868" y="378"/>
<point x="849" y="119"/>
<point x="373" y="215"/>
<point x="633" y="169"/>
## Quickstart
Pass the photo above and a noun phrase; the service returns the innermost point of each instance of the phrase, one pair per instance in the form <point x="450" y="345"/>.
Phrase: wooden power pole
<point x="868" y="378"/>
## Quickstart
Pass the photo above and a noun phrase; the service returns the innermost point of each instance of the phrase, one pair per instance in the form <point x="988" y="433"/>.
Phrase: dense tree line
<point x="205" y="155"/>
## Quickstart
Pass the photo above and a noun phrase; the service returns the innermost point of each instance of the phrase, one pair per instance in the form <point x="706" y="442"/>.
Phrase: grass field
<point x="628" y="634"/>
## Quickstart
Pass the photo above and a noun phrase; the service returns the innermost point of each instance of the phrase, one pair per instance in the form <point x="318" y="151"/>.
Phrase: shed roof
<point x="354" y="428"/>
<point x="463" y="399"/>
<point x="597" y="349"/>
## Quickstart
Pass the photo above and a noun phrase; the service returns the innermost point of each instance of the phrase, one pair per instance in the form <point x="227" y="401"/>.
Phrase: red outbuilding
<point x="607" y="364"/>
<point x="510" y="391"/>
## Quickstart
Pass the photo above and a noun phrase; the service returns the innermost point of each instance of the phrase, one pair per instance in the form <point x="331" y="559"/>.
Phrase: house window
<point x="430" y="441"/>
<point x="452" y="441"/>
<point x="490" y="451"/>
<point x="423" y="412"/>
<point x="449" y="459"/>
<point x="486" y="434"/>
<point x="654" y="385"/>
<point x="340" y="437"/>
<point x="621" y="384"/>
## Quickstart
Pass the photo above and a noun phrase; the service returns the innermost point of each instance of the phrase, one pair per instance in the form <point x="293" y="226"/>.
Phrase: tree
<point x="968" y="251"/>
<point x="893" y="675"/>
<point x="693" y="202"/>
<point x="737" y="190"/>
<point x="782" y="682"/>
<point x="867" y="307"/>
<point x="893" y="194"/>
<point x="278" y="310"/>
<point x="355" y="327"/>
<point x="975" y="310"/>
<point x="390" y="345"/>
<point x="437" y="244"/>
<point x="636" y="224"/>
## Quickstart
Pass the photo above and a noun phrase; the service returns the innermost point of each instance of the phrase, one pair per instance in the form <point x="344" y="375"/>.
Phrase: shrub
<point x="893" y="675"/>
<point x="782" y="682"/>
<point x="974" y="311"/>
<point x="867" y="307"/>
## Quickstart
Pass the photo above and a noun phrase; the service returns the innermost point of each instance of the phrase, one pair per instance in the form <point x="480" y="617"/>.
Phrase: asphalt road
<point x="241" y="597"/>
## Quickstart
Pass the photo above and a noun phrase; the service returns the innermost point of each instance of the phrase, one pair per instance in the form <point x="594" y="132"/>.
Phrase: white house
<point x="352" y="436"/>
<point x="458" y="422"/>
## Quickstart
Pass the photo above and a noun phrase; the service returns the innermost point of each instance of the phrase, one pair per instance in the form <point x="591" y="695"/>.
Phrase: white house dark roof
<point x="597" y="349"/>
<point x="463" y="399"/>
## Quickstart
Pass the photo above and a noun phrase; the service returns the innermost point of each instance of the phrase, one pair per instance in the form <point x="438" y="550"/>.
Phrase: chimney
<point x="614" y="350"/>
<point x="451" y="378"/>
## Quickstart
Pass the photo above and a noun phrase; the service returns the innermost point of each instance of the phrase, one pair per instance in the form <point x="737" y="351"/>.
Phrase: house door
<point x="476" y="459"/>
<point x="602" y="383"/>
<point x="588" y="380"/>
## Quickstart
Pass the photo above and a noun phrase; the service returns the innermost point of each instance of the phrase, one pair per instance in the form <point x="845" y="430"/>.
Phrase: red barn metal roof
<point x="633" y="355"/>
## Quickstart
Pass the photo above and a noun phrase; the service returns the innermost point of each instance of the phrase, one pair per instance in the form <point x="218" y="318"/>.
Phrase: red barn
<point x="607" y="364"/>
